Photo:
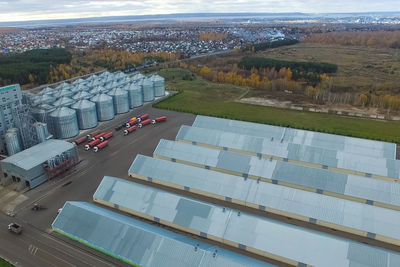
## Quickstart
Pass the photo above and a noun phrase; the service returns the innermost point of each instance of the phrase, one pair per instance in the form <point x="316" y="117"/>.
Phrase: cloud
<point x="56" y="9"/>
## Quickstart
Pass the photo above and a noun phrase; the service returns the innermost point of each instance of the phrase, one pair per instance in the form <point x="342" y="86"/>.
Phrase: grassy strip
<point x="4" y="263"/>
<point x="198" y="96"/>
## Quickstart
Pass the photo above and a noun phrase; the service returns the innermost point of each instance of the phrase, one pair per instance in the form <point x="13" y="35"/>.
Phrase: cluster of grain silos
<point x="70" y="107"/>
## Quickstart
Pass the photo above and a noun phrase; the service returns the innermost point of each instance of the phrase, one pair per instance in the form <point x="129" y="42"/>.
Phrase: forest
<point x="387" y="39"/>
<point x="32" y="66"/>
<point x="267" y="45"/>
<point x="307" y="71"/>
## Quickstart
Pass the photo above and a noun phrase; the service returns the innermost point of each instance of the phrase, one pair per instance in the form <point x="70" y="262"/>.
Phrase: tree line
<point x="308" y="71"/>
<point x="387" y="39"/>
<point x="31" y="66"/>
<point x="267" y="45"/>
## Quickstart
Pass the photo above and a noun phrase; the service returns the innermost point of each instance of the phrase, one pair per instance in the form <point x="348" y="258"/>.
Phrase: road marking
<point x="33" y="249"/>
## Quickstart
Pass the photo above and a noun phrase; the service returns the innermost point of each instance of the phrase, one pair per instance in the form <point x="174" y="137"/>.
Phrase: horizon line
<point x="202" y="13"/>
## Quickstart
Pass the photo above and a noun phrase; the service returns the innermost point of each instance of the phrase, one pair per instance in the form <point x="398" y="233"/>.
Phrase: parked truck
<point x="100" y="146"/>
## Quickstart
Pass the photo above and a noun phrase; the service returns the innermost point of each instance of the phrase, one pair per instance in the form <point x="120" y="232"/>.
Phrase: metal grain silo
<point x="44" y="99"/>
<point x="135" y="95"/>
<point x="12" y="140"/>
<point x="159" y="85"/>
<point x="41" y="131"/>
<point x="81" y="95"/>
<point x="28" y="98"/>
<point x="75" y="89"/>
<point x="64" y="122"/>
<point x="63" y="102"/>
<point x="98" y="90"/>
<point x="104" y="107"/>
<point x="120" y="100"/>
<point x="41" y="113"/>
<point x="138" y="77"/>
<point x="62" y="93"/>
<point x="148" y="90"/>
<point x="86" y="114"/>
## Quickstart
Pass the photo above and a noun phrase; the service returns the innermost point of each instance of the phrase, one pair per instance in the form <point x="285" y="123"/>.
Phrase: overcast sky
<point x="16" y="10"/>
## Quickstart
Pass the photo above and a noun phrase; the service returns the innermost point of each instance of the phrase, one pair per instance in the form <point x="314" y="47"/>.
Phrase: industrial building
<point x="141" y="244"/>
<point x="11" y="97"/>
<point x="39" y="163"/>
<point x="318" y="157"/>
<point x="280" y="241"/>
<point x="346" y="186"/>
<point x="341" y="185"/>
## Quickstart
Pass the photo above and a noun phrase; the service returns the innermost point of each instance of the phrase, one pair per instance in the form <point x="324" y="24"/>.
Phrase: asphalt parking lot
<point x="79" y="185"/>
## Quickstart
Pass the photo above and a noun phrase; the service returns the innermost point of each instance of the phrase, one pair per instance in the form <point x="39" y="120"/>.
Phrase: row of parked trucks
<point x="99" y="140"/>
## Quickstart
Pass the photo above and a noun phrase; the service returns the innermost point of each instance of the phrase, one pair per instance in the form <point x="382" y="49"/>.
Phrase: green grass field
<point x="199" y="96"/>
<point x="4" y="263"/>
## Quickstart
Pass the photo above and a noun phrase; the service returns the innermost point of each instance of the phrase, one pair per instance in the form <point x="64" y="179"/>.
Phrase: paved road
<point x="35" y="246"/>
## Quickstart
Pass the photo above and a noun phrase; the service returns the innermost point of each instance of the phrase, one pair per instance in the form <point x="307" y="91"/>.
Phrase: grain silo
<point x="41" y="113"/>
<point x="120" y="100"/>
<point x="64" y="122"/>
<point x="138" y="77"/>
<point x="148" y="90"/>
<point x="159" y="85"/>
<point x="63" y="102"/>
<point x="75" y="89"/>
<point x="62" y="93"/>
<point x="98" y="90"/>
<point x="13" y="142"/>
<point x="135" y="95"/>
<point x="86" y="114"/>
<point x="44" y="99"/>
<point x="81" y="95"/>
<point x="104" y="107"/>
<point x="41" y="131"/>
<point x="28" y="98"/>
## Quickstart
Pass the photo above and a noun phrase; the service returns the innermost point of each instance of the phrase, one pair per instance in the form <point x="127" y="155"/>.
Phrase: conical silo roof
<point x="63" y="101"/>
<point x="82" y="95"/>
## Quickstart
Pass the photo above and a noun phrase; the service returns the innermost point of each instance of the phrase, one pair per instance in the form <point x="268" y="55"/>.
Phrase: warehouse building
<point x="319" y="157"/>
<point x="141" y="244"/>
<point x="341" y="185"/>
<point x="266" y="237"/>
<point x="340" y="214"/>
<point x="347" y="186"/>
<point x="39" y="163"/>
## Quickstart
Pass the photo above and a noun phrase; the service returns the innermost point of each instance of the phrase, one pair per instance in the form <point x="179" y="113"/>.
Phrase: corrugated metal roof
<point x="31" y="157"/>
<point x="289" y="135"/>
<point x="342" y="212"/>
<point x="326" y="180"/>
<point x="139" y="242"/>
<point x="285" y="240"/>
<point x="316" y="155"/>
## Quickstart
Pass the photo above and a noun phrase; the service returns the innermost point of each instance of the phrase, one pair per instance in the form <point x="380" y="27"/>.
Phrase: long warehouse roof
<point x="301" y="154"/>
<point x="289" y="135"/>
<point x="360" y="219"/>
<point x="386" y="193"/>
<point x="136" y="242"/>
<point x="240" y="229"/>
